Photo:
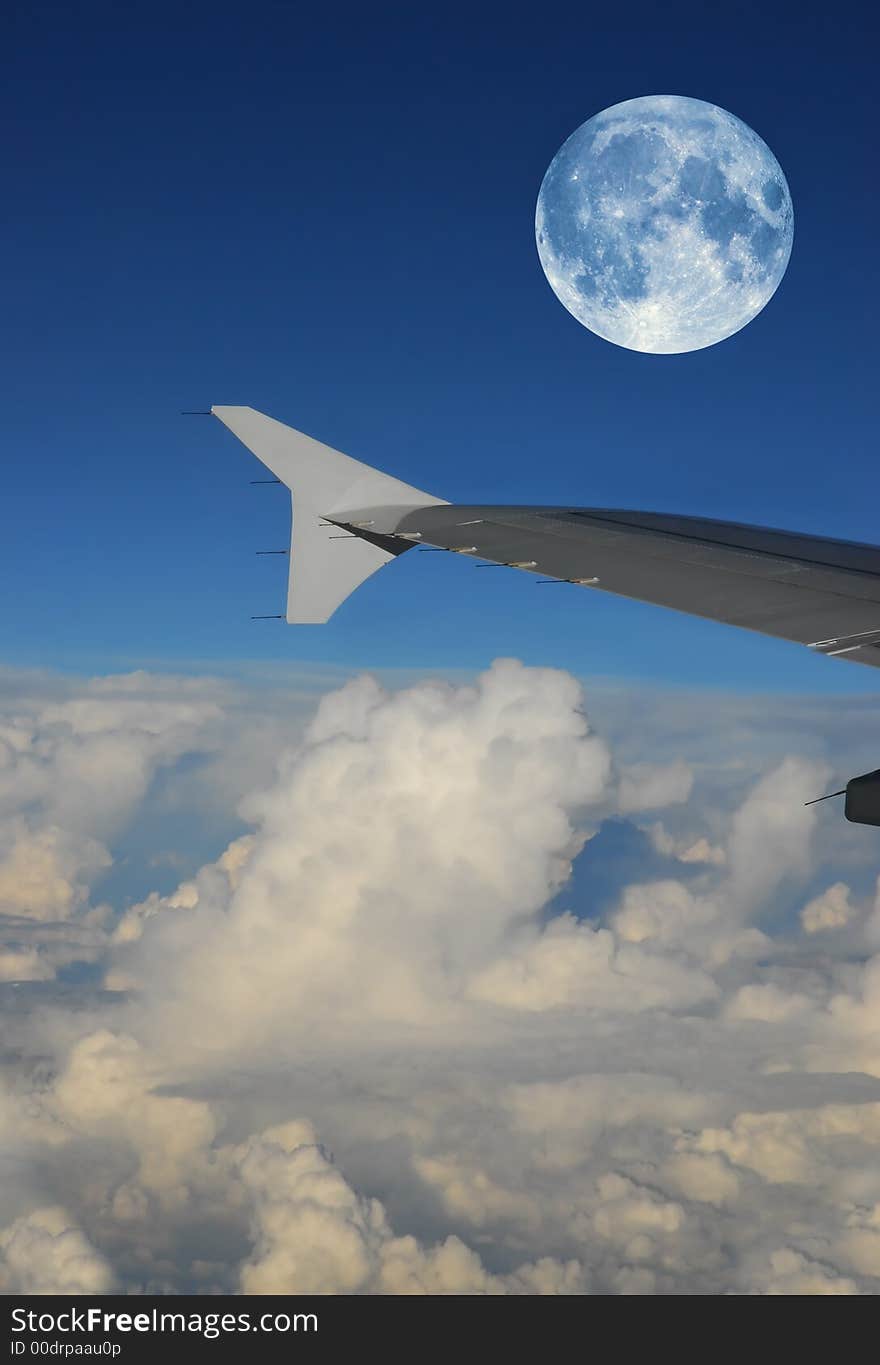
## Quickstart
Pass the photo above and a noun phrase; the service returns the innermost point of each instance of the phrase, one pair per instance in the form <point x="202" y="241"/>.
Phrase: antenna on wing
<point x="817" y="799"/>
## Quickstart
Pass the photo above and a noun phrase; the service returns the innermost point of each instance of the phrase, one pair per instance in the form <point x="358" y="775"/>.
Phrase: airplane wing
<point x="814" y="591"/>
<point x="808" y="589"/>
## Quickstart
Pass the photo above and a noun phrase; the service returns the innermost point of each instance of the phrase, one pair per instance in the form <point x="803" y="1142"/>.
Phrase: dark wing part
<point x="814" y="591"/>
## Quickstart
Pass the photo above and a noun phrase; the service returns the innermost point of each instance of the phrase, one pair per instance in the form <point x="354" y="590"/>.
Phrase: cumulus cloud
<point x="831" y="910"/>
<point x="686" y="850"/>
<point x="44" y="873"/>
<point x="569" y="965"/>
<point x="788" y="1272"/>
<point x="75" y="766"/>
<point x="313" y="1234"/>
<point x="401" y="848"/>
<point x="383" y="1041"/>
<point x="646" y="786"/>
<point x="44" y="1253"/>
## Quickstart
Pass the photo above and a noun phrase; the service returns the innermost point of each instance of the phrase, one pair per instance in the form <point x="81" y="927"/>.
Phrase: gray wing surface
<point x="808" y="589"/>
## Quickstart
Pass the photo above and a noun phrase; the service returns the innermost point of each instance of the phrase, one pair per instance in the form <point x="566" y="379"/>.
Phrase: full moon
<point x="664" y="224"/>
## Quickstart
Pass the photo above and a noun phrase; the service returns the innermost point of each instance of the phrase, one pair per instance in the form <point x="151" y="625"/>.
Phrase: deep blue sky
<point x="327" y="213"/>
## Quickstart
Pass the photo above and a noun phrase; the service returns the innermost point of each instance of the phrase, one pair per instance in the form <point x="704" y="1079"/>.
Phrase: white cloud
<point x="400" y="849"/>
<point x="704" y="1179"/>
<point x="831" y="910"/>
<point x="766" y="1003"/>
<point x="788" y="1272"/>
<point x="570" y="965"/>
<point x="770" y="838"/>
<point x="313" y="1234"/>
<point x="646" y="786"/>
<point x="75" y="766"/>
<point x="627" y="1095"/>
<point x="109" y="1088"/>
<point x="44" y="1253"/>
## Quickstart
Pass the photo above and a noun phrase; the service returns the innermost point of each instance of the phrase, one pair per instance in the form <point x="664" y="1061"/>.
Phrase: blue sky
<point x="329" y="215"/>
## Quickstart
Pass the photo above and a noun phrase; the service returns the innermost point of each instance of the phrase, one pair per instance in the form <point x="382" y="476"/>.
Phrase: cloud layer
<point x="417" y="1026"/>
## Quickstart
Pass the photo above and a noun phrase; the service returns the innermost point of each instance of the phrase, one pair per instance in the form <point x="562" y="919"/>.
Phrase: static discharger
<point x="512" y="564"/>
<point x="272" y="552"/>
<point x="206" y="412"/>
<point x="581" y="582"/>
<point x="448" y="550"/>
<point x="275" y="616"/>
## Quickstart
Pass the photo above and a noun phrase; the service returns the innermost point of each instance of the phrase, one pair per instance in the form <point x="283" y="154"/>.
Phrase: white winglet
<point x="324" y="483"/>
